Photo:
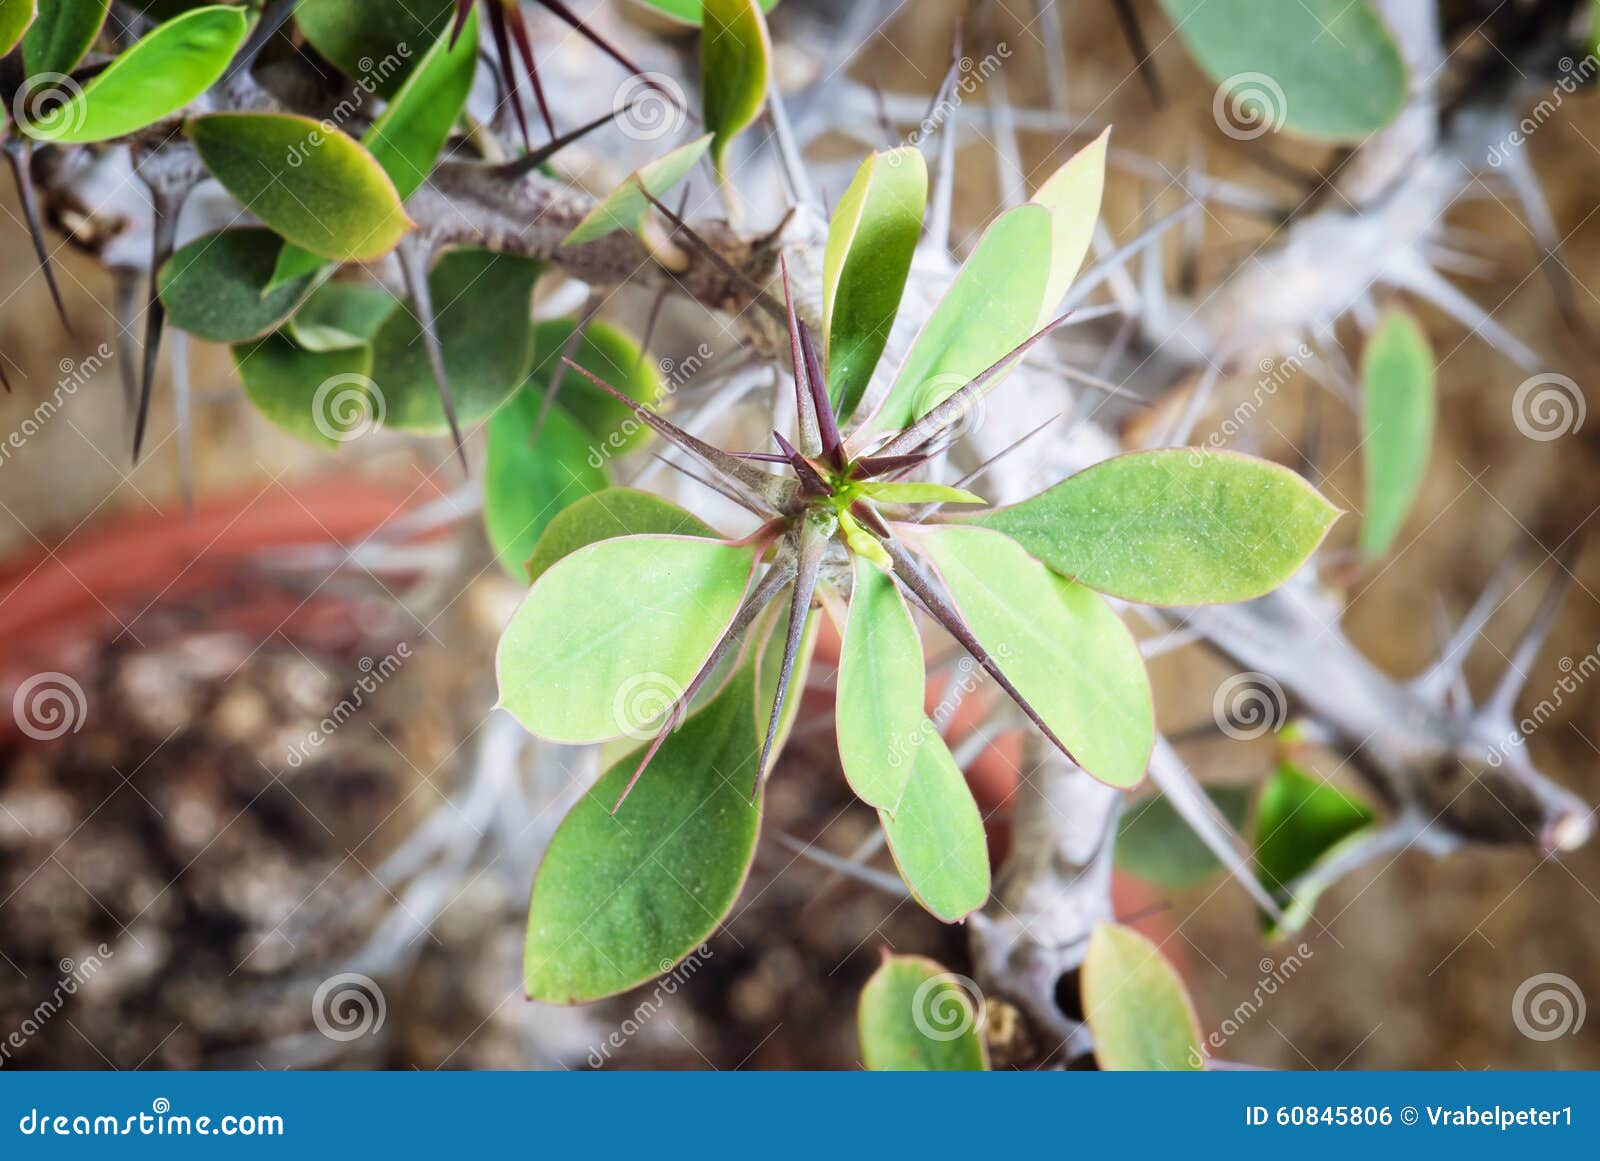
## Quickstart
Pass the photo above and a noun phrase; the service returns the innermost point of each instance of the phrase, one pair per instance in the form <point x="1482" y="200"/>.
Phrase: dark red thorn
<point x="763" y="457"/>
<point x="808" y="562"/>
<point x="519" y="35"/>
<point x="811" y="480"/>
<point x="804" y="398"/>
<point x="508" y="72"/>
<point x="758" y="296"/>
<point x="463" y="9"/>
<point x="754" y="604"/>
<point x="576" y="23"/>
<point x="869" y="466"/>
<point x="530" y="161"/>
<point x="832" y="441"/>
<point x="166" y="205"/>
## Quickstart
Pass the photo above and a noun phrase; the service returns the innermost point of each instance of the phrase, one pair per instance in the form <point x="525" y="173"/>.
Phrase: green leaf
<point x="1156" y="844"/>
<point x="1325" y="69"/>
<point x="689" y="11"/>
<point x="1137" y="1008"/>
<point x="619" y="899"/>
<point x="1072" y="195"/>
<point x="1174" y="527"/>
<point x="624" y="207"/>
<point x="889" y="492"/>
<point x="611" y="619"/>
<point x="916" y="1017"/>
<point x="1059" y="643"/>
<point x="324" y="398"/>
<point x="735" y="54"/>
<point x="407" y="137"/>
<point x="318" y="189"/>
<point x="871" y="240"/>
<point x="606" y="515"/>
<point x="532" y="472"/>
<point x="215" y="287"/>
<point x="340" y="315"/>
<point x="879" y="715"/>
<point x="936" y="833"/>
<point x="15" y="17"/>
<point x="483" y="306"/>
<point x="1397" y="417"/>
<point x="1300" y="821"/>
<point x="62" y="35"/>
<point x="374" y="42"/>
<point x="992" y="305"/>
<point x="158" y="75"/>
<point x="611" y="355"/>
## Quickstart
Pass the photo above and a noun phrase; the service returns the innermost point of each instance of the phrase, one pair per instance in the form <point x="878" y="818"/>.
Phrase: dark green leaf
<point x="689" y="11"/>
<point x="376" y="43"/>
<point x="62" y="35"/>
<point x="323" y="398"/>
<point x="533" y="471"/>
<point x="735" y="54"/>
<point x="340" y="315"/>
<point x="1300" y="821"/>
<point x="611" y="355"/>
<point x="215" y="287"/>
<point x="619" y="899"/>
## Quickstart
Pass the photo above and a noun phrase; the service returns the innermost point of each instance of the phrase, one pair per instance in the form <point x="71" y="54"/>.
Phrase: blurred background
<point x="279" y="824"/>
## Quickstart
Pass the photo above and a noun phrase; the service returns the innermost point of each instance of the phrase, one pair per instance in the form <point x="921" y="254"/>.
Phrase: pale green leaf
<point x="606" y="515"/>
<point x="1072" y="195"/>
<point x="1136" y="1006"/>
<point x="936" y="833"/>
<point x="871" y="239"/>
<point x="624" y="207"/>
<point x="318" y="189"/>
<point x="483" y="310"/>
<point x="916" y="1017"/>
<point x="620" y="898"/>
<point x="62" y="35"/>
<point x="735" y="55"/>
<point x="690" y="11"/>
<point x="1397" y="417"/>
<point x="862" y="542"/>
<point x="158" y="75"/>
<point x="216" y="287"/>
<point x="1059" y="643"/>
<point x="1174" y="527"/>
<point x="914" y="492"/>
<point x="879" y="714"/>
<point x="1325" y="69"/>
<point x="532" y="471"/>
<point x="610" y="620"/>
<point x="991" y="306"/>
